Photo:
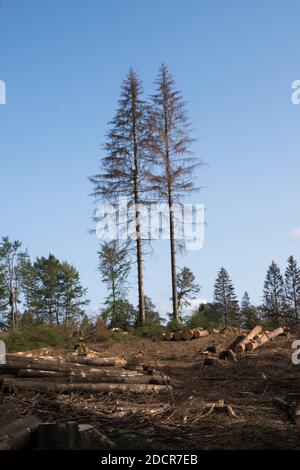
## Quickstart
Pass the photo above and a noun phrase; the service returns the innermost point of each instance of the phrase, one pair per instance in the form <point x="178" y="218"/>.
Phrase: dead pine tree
<point x="170" y="151"/>
<point x="123" y="167"/>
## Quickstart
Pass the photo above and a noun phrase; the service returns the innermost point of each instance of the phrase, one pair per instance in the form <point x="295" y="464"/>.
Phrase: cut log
<point x="199" y="333"/>
<point x="49" y="366"/>
<point x="187" y="335"/>
<point x="241" y="346"/>
<point x="177" y="336"/>
<point x="265" y="338"/>
<point x="40" y="373"/>
<point x="17" y="435"/>
<point x="79" y="377"/>
<point x="85" y="387"/>
<point x="259" y="339"/>
<point x="25" y="363"/>
<point x="273" y="334"/>
<point x="169" y="336"/>
<point x="89" y="360"/>
<point x="101" y="361"/>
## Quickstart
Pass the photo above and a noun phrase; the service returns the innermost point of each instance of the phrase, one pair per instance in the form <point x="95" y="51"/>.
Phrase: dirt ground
<point x="183" y="417"/>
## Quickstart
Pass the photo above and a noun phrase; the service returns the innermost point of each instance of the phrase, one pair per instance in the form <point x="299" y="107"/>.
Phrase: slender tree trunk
<point x="139" y="252"/>
<point x="172" y="226"/>
<point x="114" y="304"/>
<point x="173" y="261"/>
<point x="172" y="235"/>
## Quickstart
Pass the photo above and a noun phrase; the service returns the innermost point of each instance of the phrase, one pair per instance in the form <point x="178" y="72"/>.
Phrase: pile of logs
<point x="255" y="338"/>
<point x="80" y="373"/>
<point x="186" y="335"/>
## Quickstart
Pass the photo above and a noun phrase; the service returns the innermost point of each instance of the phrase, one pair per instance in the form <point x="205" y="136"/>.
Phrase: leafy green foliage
<point x="57" y="295"/>
<point x="121" y="314"/>
<point x="36" y="336"/>
<point x="205" y="316"/>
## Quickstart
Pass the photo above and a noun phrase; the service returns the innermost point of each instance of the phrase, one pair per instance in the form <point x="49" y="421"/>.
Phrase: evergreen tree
<point x="57" y="295"/>
<point x="249" y="315"/>
<point x="225" y="299"/>
<point x="172" y="175"/>
<point x="274" y="296"/>
<point x="73" y="295"/>
<point x="47" y="279"/>
<point x="126" y="161"/>
<point x="292" y="290"/>
<point x="114" y="267"/>
<point x="187" y="288"/>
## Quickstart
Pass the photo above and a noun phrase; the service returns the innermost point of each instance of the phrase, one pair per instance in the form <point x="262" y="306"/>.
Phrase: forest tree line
<point x="49" y="291"/>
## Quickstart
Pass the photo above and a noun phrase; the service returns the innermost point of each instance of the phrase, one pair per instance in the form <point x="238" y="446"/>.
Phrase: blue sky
<point x="63" y="62"/>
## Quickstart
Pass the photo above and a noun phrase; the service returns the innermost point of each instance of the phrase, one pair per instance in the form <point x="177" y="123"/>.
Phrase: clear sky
<point x="63" y="62"/>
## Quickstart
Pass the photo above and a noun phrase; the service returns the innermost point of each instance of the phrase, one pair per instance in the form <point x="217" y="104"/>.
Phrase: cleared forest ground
<point x="187" y="416"/>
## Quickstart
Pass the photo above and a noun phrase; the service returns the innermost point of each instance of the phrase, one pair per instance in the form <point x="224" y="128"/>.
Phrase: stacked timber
<point x="256" y="337"/>
<point x="264" y="338"/>
<point x="80" y="373"/>
<point x="186" y="335"/>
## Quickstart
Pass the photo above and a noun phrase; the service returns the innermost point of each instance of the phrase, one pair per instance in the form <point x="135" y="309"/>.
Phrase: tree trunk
<point x="85" y="387"/>
<point x="17" y="435"/>
<point x="264" y="338"/>
<point x="177" y="336"/>
<point x="187" y="335"/>
<point x="92" y="378"/>
<point x="169" y="336"/>
<point x="241" y="346"/>
<point x="142" y="317"/>
<point x="173" y="261"/>
<point x="200" y="333"/>
<point x="101" y="361"/>
<point x="139" y="253"/>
